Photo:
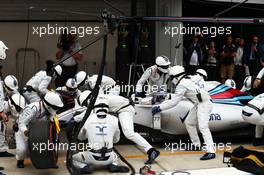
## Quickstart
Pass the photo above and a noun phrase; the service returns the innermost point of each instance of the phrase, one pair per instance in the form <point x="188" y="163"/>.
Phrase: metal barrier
<point x="26" y="63"/>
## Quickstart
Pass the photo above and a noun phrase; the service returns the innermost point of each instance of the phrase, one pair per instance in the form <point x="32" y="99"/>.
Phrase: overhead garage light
<point x="238" y="1"/>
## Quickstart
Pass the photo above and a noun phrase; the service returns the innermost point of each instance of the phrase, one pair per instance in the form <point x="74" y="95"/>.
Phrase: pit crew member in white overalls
<point x="186" y="87"/>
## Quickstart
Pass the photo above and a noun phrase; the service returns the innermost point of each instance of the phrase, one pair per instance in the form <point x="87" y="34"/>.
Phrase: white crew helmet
<point x="101" y="107"/>
<point x="231" y="83"/>
<point x="202" y="73"/>
<point x="163" y="63"/>
<point x="71" y="84"/>
<point x="52" y="102"/>
<point x="247" y="84"/>
<point x="58" y="70"/>
<point x="81" y="78"/>
<point x="176" y="72"/>
<point x="16" y="103"/>
<point x="83" y="99"/>
<point x="3" y="49"/>
<point x="10" y="83"/>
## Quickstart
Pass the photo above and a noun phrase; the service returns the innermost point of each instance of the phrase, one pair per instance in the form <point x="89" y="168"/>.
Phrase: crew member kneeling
<point x="101" y="130"/>
<point x="125" y="111"/>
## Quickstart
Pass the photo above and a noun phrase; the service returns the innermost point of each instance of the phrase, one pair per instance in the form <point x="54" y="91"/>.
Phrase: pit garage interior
<point x="131" y="48"/>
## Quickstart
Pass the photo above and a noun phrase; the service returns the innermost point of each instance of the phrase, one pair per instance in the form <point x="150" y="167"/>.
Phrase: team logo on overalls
<point x="101" y="130"/>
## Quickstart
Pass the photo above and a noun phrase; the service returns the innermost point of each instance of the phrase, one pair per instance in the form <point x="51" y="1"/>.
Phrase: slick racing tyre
<point x="43" y="143"/>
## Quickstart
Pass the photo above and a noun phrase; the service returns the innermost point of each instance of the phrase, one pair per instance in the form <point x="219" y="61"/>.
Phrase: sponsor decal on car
<point x="215" y="117"/>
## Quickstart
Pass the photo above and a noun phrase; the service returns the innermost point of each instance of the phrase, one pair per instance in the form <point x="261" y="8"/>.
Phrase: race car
<point x="226" y="113"/>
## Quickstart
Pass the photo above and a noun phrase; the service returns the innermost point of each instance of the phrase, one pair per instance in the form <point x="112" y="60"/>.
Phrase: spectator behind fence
<point x="237" y="41"/>
<point x="252" y="56"/>
<point x="239" y="64"/>
<point x="193" y="57"/>
<point x="227" y="60"/>
<point x="211" y="62"/>
<point x="261" y="54"/>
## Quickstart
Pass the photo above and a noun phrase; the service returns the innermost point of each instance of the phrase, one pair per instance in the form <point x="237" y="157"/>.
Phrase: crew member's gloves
<point x="3" y="117"/>
<point x="256" y="83"/>
<point x="26" y="133"/>
<point x="30" y="88"/>
<point x="140" y="94"/>
<point x="15" y="127"/>
<point x="71" y="123"/>
<point x="50" y="73"/>
<point x="155" y="110"/>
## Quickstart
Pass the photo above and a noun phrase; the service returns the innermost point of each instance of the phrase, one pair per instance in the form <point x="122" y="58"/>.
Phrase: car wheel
<point x="43" y="143"/>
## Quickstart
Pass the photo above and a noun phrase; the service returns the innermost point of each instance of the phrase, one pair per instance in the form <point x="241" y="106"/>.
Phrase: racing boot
<point x="2" y="171"/>
<point x="86" y="170"/>
<point x="152" y="155"/>
<point x="258" y="142"/>
<point x="118" y="169"/>
<point x="208" y="156"/>
<point x="6" y="154"/>
<point x="20" y="164"/>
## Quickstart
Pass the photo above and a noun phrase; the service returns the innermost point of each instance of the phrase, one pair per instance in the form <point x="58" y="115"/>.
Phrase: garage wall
<point x="14" y="33"/>
<point x="57" y="9"/>
<point x="165" y="44"/>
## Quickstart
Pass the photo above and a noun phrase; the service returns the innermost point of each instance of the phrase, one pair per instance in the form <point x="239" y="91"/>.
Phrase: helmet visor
<point x="163" y="67"/>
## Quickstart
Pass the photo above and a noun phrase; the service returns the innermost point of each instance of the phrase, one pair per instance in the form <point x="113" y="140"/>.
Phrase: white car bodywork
<point x="226" y="113"/>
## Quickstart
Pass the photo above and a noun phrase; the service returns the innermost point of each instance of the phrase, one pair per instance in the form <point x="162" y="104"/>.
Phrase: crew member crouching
<point x="102" y="131"/>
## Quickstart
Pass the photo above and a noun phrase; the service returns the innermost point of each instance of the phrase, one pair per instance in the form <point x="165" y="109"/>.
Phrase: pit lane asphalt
<point x="169" y="160"/>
